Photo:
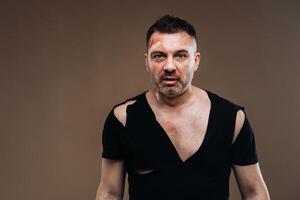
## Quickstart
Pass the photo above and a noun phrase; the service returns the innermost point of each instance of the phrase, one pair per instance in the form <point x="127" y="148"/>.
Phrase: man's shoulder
<point x="130" y="99"/>
<point x="229" y="108"/>
<point x="225" y="101"/>
<point x="120" y="109"/>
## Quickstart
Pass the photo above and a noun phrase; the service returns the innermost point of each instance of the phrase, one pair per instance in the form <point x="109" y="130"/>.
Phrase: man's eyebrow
<point x="181" y="51"/>
<point x="178" y="51"/>
<point x="157" y="51"/>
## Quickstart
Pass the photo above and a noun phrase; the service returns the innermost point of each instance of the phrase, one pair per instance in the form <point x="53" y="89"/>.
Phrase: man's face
<point x="171" y="61"/>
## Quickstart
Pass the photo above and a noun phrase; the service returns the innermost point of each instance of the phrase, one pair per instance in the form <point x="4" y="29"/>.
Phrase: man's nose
<point x="169" y="65"/>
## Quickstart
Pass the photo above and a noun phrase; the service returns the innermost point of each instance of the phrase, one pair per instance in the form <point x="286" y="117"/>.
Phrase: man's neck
<point x="181" y="100"/>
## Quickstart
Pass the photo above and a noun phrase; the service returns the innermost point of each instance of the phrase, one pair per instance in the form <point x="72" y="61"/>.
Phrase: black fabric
<point x="111" y="137"/>
<point x="143" y="144"/>
<point x="243" y="149"/>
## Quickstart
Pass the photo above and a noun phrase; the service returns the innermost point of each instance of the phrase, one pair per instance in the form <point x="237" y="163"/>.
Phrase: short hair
<point x="170" y="24"/>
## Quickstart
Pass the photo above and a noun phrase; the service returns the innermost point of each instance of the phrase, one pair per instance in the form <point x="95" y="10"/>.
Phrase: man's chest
<point x="186" y="132"/>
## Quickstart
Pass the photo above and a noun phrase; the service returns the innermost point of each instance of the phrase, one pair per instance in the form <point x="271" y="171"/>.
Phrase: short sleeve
<point x="243" y="148"/>
<point x="111" y="138"/>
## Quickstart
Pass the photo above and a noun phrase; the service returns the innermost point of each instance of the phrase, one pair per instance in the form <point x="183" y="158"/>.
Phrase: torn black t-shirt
<point x="143" y="145"/>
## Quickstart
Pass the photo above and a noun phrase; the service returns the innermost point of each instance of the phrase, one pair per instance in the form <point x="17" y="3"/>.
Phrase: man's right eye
<point x="158" y="57"/>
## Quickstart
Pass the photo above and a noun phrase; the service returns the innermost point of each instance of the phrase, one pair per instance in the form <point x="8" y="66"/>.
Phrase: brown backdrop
<point x="64" y="64"/>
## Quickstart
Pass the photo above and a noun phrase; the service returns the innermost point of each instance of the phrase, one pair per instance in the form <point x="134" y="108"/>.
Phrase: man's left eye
<point x="180" y="56"/>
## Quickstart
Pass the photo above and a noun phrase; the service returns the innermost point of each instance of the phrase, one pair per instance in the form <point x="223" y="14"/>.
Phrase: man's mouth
<point x="169" y="80"/>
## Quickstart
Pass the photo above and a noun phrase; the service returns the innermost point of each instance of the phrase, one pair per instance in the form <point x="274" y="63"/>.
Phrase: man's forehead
<point x="155" y="45"/>
<point x="170" y="39"/>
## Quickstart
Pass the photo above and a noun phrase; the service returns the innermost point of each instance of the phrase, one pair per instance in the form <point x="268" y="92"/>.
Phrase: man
<point x="177" y="141"/>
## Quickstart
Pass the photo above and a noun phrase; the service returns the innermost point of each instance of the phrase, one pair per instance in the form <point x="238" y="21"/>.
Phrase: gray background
<point x="64" y="64"/>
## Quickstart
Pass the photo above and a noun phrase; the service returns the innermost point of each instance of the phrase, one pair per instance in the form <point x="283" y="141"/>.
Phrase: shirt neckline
<point x="165" y="135"/>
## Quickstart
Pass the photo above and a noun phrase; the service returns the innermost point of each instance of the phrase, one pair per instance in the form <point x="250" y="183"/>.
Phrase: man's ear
<point x="197" y="60"/>
<point x="146" y="61"/>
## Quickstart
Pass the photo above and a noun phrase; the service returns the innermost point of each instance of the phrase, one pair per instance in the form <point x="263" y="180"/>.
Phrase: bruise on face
<point x="155" y="45"/>
<point x="174" y="41"/>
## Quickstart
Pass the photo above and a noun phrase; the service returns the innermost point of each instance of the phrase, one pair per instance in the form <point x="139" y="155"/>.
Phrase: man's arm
<point x="113" y="174"/>
<point x="112" y="180"/>
<point x="250" y="182"/>
<point x="249" y="177"/>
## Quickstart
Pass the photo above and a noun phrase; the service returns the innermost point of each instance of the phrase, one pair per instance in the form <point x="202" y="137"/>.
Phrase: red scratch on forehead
<point x="155" y="45"/>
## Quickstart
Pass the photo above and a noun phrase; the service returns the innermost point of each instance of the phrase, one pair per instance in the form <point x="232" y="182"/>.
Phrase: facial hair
<point x="172" y="90"/>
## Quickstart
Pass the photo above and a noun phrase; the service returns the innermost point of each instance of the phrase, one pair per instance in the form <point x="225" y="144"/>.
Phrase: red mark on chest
<point x="169" y="125"/>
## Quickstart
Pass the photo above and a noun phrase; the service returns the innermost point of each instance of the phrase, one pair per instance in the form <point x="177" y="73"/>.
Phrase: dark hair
<point x="170" y="24"/>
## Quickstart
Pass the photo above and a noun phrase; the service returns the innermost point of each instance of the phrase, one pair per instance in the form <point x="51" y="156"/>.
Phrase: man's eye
<point x="180" y="57"/>
<point x="158" y="57"/>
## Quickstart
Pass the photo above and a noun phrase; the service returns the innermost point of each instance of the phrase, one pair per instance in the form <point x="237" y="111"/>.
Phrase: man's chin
<point x="170" y="91"/>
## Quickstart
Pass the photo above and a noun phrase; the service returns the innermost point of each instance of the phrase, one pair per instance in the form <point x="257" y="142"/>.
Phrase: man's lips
<point x="169" y="80"/>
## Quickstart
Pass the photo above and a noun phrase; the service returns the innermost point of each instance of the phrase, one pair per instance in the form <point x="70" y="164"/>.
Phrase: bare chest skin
<point x="186" y="127"/>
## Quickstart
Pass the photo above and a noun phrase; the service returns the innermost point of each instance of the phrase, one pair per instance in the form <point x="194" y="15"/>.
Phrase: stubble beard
<point x="171" y="91"/>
